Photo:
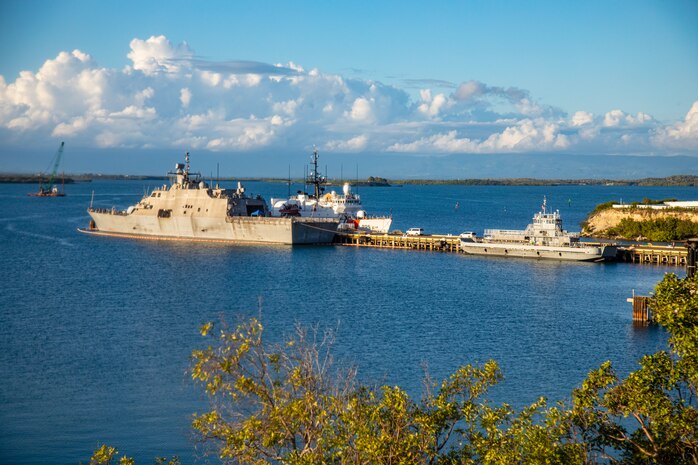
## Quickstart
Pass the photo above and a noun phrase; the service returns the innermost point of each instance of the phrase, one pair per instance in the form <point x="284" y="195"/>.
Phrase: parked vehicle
<point x="415" y="232"/>
<point x="468" y="236"/>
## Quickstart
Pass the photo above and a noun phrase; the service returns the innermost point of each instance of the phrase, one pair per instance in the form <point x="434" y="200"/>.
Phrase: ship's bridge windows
<point x="154" y="194"/>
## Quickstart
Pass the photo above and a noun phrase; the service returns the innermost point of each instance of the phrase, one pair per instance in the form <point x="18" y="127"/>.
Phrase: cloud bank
<point x="169" y="97"/>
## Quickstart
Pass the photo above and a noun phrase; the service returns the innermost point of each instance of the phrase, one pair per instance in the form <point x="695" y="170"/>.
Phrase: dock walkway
<point x="643" y="254"/>
<point x="432" y="242"/>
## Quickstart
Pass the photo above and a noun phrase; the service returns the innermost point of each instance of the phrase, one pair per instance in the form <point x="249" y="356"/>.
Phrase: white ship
<point x="345" y="207"/>
<point x="191" y="210"/>
<point x="544" y="238"/>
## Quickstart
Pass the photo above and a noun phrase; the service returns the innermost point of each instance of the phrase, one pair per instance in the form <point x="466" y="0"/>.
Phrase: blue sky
<point x="412" y="78"/>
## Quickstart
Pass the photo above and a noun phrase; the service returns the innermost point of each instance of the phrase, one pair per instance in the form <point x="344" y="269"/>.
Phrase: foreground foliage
<point x="289" y="404"/>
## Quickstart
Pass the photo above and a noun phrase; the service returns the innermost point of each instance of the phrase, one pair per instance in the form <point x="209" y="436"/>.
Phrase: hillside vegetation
<point x="636" y="223"/>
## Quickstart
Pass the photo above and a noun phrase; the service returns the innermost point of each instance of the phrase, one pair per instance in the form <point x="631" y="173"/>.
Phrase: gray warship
<point x="189" y="209"/>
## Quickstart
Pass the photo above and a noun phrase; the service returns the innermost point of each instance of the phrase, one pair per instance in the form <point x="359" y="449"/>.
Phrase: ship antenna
<point x="316" y="181"/>
<point x="186" y="168"/>
<point x="544" y="202"/>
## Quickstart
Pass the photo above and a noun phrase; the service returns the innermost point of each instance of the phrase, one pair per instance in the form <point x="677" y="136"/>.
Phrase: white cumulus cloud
<point x="682" y="135"/>
<point x="582" y="118"/>
<point x="362" y="110"/>
<point x="526" y="135"/>
<point x="431" y="106"/>
<point x="354" y="144"/>
<point x="157" y="55"/>
<point x="169" y="98"/>
<point x="616" y="118"/>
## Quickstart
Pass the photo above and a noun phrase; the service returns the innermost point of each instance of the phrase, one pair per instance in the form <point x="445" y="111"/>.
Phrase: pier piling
<point x="692" y="252"/>
<point x="641" y="310"/>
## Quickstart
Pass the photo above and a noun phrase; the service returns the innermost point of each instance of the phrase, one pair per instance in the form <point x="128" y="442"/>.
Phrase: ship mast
<point x="314" y="178"/>
<point x="186" y="168"/>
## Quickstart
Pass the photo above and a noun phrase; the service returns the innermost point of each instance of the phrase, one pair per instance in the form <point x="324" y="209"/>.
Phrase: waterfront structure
<point x="189" y="209"/>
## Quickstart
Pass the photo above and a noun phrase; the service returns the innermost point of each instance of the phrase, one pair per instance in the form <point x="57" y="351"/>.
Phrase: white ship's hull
<point x="241" y="229"/>
<point x="588" y="254"/>
<point x="379" y="225"/>
<point x="376" y="225"/>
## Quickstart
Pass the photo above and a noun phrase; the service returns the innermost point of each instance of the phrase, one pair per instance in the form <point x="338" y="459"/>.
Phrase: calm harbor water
<point x="96" y="333"/>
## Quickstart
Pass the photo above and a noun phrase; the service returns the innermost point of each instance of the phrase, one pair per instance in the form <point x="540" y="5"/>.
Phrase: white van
<point x="468" y="236"/>
<point x="415" y="232"/>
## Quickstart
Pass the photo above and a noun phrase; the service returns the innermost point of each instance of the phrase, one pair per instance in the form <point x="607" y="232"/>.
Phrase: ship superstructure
<point x="346" y="207"/>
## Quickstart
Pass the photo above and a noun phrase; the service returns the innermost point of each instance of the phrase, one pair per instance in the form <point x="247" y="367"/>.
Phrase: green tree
<point x="287" y="404"/>
<point x="651" y="416"/>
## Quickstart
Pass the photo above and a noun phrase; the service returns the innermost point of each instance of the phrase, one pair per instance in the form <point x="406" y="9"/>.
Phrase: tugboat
<point x="192" y="210"/>
<point x="51" y="189"/>
<point x="345" y="207"/>
<point x="544" y="238"/>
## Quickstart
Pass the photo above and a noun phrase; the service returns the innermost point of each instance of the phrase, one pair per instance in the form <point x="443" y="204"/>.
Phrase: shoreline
<point x="669" y="181"/>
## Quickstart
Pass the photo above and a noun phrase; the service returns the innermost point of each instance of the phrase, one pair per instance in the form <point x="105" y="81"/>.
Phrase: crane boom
<point x="56" y="162"/>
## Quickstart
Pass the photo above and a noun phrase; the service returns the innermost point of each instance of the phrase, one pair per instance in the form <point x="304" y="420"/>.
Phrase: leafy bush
<point x="658" y="230"/>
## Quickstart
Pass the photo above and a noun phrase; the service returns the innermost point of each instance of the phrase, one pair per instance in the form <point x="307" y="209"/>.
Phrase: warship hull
<point x="235" y="229"/>
<point x="582" y="254"/>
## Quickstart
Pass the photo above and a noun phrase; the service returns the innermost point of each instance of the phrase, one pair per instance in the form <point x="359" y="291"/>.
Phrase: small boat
<point x="52" y="191"/>
<point x="542" y="239"/>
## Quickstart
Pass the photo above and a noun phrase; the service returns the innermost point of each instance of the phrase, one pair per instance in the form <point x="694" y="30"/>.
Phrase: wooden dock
<point x="642" y="254"/>
<point x="654" y="254"/>
<point x="432" y="242"/>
